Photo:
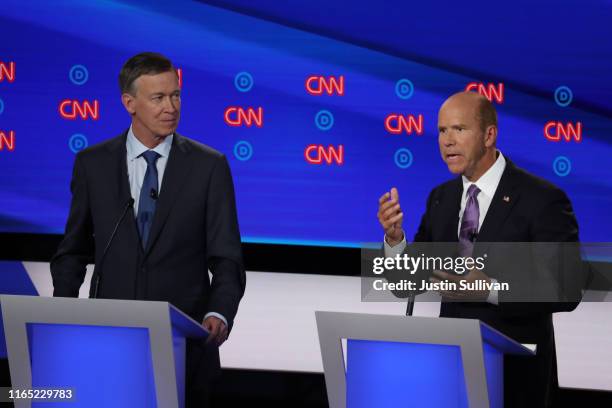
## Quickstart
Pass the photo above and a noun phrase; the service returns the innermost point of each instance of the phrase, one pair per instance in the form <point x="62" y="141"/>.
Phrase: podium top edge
<point x="104" y="312"/>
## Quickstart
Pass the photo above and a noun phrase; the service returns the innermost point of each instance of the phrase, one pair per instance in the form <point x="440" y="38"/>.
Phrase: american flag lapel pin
<point x="507" y="199"/>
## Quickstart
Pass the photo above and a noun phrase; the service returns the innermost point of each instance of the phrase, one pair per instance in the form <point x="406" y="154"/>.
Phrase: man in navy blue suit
<point x="495" y="201"/>
<point x="172" y="200"/>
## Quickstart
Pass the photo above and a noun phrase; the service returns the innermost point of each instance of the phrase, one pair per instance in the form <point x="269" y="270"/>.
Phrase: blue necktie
<point x="148" y="196"/>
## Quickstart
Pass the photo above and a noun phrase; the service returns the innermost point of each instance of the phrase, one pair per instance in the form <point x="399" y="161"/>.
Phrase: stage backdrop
<point x="319" y="106"/>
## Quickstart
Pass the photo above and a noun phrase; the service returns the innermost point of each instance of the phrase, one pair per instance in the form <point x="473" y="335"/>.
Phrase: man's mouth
<point x="452" y="157"/>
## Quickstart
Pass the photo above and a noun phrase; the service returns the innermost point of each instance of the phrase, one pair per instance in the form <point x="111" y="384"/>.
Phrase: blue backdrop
<point x="553" y="58"/>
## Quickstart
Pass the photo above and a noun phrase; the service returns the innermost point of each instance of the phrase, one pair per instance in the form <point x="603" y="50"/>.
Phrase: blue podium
<point x="399" y="361"/>
<point x="109" y="353"/>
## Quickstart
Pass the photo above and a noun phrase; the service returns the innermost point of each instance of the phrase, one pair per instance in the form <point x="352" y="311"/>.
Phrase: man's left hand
<point x="462" y="294"/>
<point x="217" y="330"/>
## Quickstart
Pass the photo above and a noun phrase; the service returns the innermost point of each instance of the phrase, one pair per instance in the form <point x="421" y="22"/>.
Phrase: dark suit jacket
<point x="194" y="229"/>
<point x="525" y="208"/>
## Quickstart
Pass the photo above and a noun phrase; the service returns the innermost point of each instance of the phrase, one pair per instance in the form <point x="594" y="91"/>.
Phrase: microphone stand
<point x="97" y="275"/>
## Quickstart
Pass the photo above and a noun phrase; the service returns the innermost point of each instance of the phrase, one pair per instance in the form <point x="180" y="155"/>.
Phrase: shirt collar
<point x="488" y="182"/>
<point x="135" y="148"/>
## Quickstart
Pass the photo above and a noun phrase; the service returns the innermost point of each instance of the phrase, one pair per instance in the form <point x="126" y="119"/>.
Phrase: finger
<point x="394" y="194"/>
<point x="390" y="223"/>
<point x="390" y="212"/>
<point x="449" y="276"/>
<point x="213" y="330"/>
<point x="386" y="205"/>
<point x="208" y="325"/>
<point x="441" y="275"/>
<point x="383" y="198"/>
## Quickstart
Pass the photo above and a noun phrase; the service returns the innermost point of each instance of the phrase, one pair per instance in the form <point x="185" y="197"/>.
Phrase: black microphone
<point x="98" y="268"/>
<point x="410" y="304"/>
<point x="473" y="236"/>
<point x="153" y="194"/>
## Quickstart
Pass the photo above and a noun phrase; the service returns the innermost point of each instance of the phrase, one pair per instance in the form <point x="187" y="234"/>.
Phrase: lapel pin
<point x="507" y="199"/>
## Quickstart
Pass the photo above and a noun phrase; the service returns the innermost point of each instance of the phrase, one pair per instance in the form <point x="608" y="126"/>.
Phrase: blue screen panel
<point x="319" y="106"/>
<point x="392" y="374"/>
<point x="105" y="366"/>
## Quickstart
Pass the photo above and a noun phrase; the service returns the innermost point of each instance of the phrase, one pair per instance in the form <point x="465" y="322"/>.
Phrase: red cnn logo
<point x="317" y="154"/>
<point x="7" y="141"/>
<point x="317" y="84"/>
<point x="554" y="131"/>
<point x="237" y="116"/>
<point x="7" y="72"/>
<point x="396" y="124"/>
<point x="179" y="73"/>
<point x="69" y="109"/>
<point x="490" y="91"/>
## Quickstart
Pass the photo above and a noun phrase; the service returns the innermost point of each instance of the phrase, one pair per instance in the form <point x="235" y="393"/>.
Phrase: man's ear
<point x="491" y="136"/>
<point x="128" y="102"/>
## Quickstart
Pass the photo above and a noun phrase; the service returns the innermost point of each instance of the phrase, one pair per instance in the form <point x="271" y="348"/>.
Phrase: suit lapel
<point x="121" y="178"/>
<point x="175" y="174"/>
<point x="506" y="196"/>
<point x="122" y="181"/>
<point x="447" y="213"/>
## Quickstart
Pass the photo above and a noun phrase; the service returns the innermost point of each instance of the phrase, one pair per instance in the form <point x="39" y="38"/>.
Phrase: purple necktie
<point x="469" y="222"/>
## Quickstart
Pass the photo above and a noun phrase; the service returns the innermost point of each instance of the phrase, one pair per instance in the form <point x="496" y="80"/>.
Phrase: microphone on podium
<point x="97" y="275"/>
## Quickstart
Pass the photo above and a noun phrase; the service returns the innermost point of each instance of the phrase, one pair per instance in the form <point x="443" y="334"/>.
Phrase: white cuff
<point x="493" y="297"/>
<point x="398" y="249"/>
<point x="217" y="315"/>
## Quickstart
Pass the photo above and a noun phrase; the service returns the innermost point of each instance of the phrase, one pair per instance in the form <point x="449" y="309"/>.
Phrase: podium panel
<point x="118" y="358"/>
<point x="399" y="361"/>
<point x="119" y="353"/>
<point x="14" y="280"/>
<point x="393" y="375"/>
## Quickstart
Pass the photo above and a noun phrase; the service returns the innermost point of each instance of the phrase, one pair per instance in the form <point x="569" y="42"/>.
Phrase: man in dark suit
<point x="171" y="201"/>
<point x="495" y="201"/>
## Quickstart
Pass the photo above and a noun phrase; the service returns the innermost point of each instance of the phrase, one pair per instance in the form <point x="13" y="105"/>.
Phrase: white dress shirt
<point x="487" y="184"/>
<point x="137" y="167"/>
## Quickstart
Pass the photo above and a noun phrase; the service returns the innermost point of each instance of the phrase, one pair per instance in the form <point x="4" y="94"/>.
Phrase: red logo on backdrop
<point x="7" y="140"/>
<point x="489" y="91"/>
<point x="7" y="71"/>
<point x="70" y="109"/>
<point x="179" y="73"/>
<point x="318" y="84"/>
<point x="554" y="131"/>
<point x="237" y="116"/>
<point x="318" y="154"/>
<point x="396" y="124"/>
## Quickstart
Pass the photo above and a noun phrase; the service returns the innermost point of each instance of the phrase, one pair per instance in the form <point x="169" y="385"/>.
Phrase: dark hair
<point x="145" y="63"/>
<point x="487" y="115"/>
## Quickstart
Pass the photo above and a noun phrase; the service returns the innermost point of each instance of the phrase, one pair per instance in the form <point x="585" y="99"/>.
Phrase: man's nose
<point x="448" y="139"/>
<point x="170" y="105"/>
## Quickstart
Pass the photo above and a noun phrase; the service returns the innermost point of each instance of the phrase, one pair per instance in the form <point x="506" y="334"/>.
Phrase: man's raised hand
<point x="390" y="216"/>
